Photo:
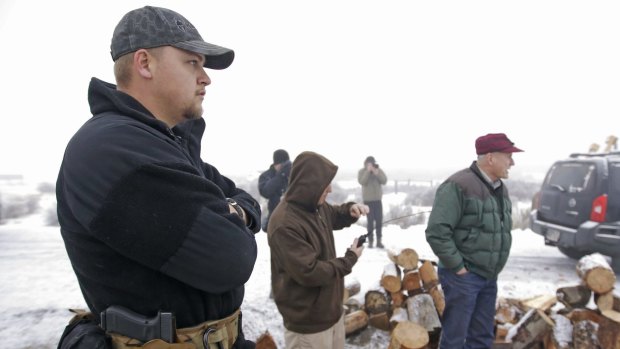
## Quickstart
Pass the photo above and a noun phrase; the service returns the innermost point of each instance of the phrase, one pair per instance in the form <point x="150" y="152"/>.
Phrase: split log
<point x="612" y="315"/>
<point x="532" y="328"/>
<point x="412" y="283"/>
<point x="428" y="274"/>
<point x="352" y="304"/>
<point x="351" y="288"/>
<point x="422" y="311"/>
<point x="355" y="322"/>
<point x="607" y="301"/>
<point x="574" y="296"/>
<point x="390" y="280"/>
<point x="398" y="315"/>
<point x="380" y="321"/>
<point x="508" y="311"/>
<point x="376" y="301"/>
<point x="577" y="315"/>
<point x="561" y="337"/>
<point x="265" y="341"/>
<point x="543" y="302"/>
<point x="438" y="299"/>
<point x="609" y="334"/>
<point x="408" y="335"/>
<point x="407" y="258"/>
<point x="596" y="273"/>
<point x="585" y="335"/>
<point x="398" y="299"/>
<point x="501" y="331"/>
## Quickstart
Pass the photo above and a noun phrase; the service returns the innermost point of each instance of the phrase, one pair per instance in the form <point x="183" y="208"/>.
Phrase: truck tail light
<point x="599" y="209"/>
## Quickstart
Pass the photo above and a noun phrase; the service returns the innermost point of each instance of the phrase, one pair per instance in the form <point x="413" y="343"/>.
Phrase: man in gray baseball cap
<point x="149" y="27"/>
<point x="147" y="224"/>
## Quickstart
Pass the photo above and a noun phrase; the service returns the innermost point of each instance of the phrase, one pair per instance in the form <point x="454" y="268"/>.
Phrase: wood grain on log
<point x="398" y="299"/>
<point x="408" y="335"/>
<point x="422" y="311"/>
<point x="398" y="315"/>
<point x="596" y="273"/>
<point x="508" y="311"/>
<point x="609" y="334"/>
<point x="561" y="337"/>
<point x="391" y="280"/>
<point x="411" y="281"/>
<point x="532" y="328"/>
<point x="438" y="299"/>
<point x="543" y="302"/>
<point x="355" y="322"/>
<point x="428" y="274"/>
<point x="407" y="258"/>
<point x="352" y="304"/>
<point x="376" y="301"/>
<point x="585" y="335"/>
<point x="574" y="296"/>
<point x="380" y="321"/>
<point x="351" y="288"/>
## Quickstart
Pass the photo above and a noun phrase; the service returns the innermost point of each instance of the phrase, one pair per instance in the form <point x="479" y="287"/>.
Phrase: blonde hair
<point x="122" y="69"/>
<point x="123" y="66"/>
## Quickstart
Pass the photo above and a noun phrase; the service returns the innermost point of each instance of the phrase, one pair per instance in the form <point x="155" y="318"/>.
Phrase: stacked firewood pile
<point x="408" y="303"/>
<point x="584" y="316"/>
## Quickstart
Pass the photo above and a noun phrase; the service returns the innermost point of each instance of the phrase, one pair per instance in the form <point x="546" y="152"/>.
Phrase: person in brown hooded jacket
<point x="307" y="277"/>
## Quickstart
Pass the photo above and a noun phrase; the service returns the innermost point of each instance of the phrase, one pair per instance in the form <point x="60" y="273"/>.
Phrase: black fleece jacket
<point x="145" y="221"/>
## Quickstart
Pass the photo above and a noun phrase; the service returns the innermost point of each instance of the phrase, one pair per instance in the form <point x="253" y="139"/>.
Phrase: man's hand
<point x="240" y="213"/>
<point x="358" y="210"/>
<point x="355" y="249"/>
<point x="462" y="271"/>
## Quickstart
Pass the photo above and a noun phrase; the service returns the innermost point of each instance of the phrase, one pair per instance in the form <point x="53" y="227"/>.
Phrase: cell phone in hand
<point x="361" y="240"/>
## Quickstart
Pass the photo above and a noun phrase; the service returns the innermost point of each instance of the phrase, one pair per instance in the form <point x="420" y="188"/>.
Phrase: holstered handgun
<point x="120" y="320"/>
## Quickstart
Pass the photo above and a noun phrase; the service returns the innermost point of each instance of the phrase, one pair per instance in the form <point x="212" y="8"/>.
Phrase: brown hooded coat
<point x="306" y="276"/>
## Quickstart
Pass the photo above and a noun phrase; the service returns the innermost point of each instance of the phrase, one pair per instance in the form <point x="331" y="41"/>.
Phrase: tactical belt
<point x="216" y="334"/>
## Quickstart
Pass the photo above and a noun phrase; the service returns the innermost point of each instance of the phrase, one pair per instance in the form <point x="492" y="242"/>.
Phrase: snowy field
<point x="38" y="286"/>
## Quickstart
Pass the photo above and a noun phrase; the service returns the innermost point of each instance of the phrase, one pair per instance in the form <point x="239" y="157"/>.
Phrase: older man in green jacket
<point x="469" y="230"/>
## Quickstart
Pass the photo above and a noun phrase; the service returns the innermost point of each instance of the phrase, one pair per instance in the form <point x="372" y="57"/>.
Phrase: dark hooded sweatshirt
<point x="307" y="278"/>
<point x="145" y="221"/>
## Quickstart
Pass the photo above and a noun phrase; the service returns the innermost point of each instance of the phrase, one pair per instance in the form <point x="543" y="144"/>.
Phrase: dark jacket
<point x="470" y="224"/>
<point x="306" y="276"/>
<point x="272" y="185"/>
<point x="145" y="221"/>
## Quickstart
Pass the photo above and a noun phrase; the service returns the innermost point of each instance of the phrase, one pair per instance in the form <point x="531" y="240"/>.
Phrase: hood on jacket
<point x="310" y="175"/>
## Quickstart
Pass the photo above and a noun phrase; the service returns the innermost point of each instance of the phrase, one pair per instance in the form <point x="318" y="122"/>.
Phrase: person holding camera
<point x="371" y="177"/>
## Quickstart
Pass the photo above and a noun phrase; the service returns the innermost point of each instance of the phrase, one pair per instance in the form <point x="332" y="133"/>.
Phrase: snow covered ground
<point x="37" y="285"/>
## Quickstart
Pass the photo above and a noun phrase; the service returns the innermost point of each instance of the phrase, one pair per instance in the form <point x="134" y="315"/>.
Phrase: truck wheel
<point x="571" y="252"/>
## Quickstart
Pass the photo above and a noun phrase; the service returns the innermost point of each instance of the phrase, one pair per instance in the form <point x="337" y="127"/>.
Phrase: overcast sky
<point x="411" y="82"/>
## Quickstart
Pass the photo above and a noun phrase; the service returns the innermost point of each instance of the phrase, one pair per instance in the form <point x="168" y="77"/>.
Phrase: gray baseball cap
<point x="150" y="26"/>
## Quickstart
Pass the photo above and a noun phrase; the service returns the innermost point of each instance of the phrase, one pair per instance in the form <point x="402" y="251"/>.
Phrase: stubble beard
<point x="193" y="113"/>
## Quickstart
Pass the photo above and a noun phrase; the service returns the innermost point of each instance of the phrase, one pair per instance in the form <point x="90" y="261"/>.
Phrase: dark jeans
<point x="469" y="314"/>
<point x="374" y="218"/>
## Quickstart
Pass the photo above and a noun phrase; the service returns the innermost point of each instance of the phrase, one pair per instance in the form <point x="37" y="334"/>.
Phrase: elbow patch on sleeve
<point x="149" y="213"/>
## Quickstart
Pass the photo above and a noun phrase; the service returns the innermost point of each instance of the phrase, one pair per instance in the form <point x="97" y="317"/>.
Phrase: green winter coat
<point x="470" y="224"/>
